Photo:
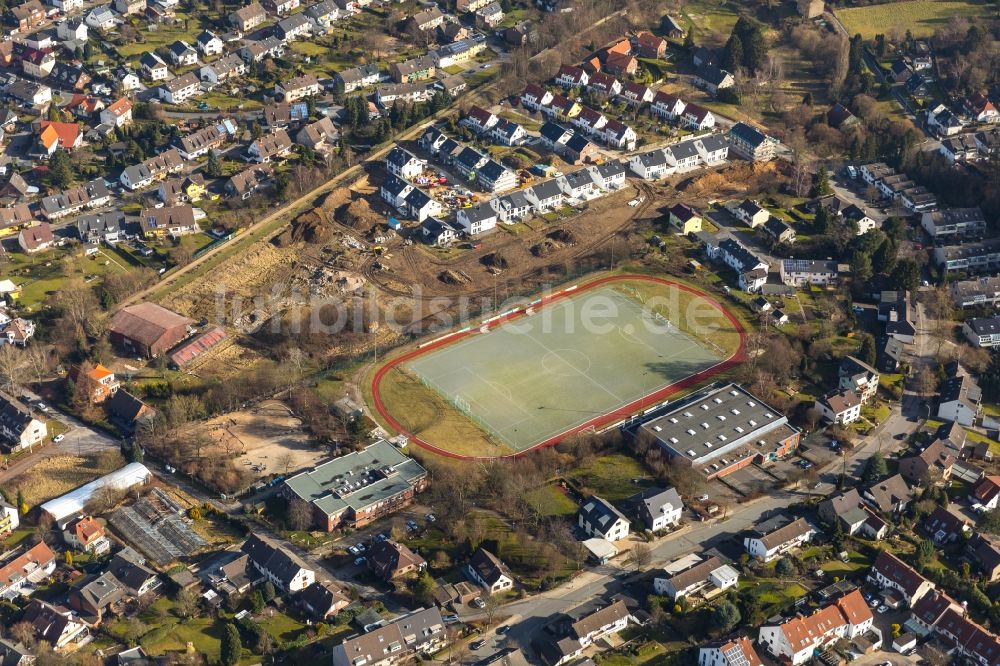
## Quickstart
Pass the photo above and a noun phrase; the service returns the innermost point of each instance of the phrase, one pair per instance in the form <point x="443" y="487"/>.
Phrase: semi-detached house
<point x="707" y="579"/>
<point x="155" y="168"/>
<point x="769" y="543"/>
<point x="890" y="572"/>
<point x="284" y="569"/>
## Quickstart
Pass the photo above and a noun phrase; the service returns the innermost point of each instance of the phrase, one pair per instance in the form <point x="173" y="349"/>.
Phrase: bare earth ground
<point x="260" y="438"/>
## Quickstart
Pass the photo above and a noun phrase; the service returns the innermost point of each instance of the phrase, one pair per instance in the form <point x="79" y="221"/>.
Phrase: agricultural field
<point x="921" y="17"/>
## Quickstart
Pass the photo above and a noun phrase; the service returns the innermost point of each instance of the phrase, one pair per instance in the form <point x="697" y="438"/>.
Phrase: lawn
<point x="42" y="275"/>
<point x="611" y="476"/>
<point x="856" y="562"/>
<point x="551" y="501"/>
<point x="921" y="17"/>
<point x="710" y="18"/>
<point x="163" y="35"/>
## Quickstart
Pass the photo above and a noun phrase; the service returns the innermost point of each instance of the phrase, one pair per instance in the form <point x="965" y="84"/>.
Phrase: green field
<point x="921" y="17"/>
<point x="572" y="361"/>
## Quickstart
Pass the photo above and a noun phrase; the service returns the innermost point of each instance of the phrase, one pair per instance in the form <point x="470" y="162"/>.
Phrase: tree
<point x="12" y="364"/>
<point x="257" y="601"/>
<point x="68" y="556"/>
<point x="22" y="505"/>
<point x="214" y="166"/>
<point x="186" y="603"/>
<point x="905" y="275"/>
<point x="725" y="617"/>
<point x="822" y="187"/>
<point x="990" y="522"/>
<point x="422" y="587"/>
<point x="281" y="185"/>
<point x="232" y="647"/>
<point x="269" y="592"/>
<point x="134" y="630"/>
<point x="784" y="567"/>
<point x="23" y="633"/>
<point x="875" y="469"/>
<point x="492" y="602"/>
<point x="732" y="55"/>
<point x="861" y="267"/>
<point x="925" y="552"/>
<point x="61" y="169"/>
<point x="641" y="555"/>
<point x="299" y="515"/>
<point x="867" y="352"/>
<point x="689" y="40"/>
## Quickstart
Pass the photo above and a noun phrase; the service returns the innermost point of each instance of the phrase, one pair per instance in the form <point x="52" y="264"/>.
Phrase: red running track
<point x="596" y="422"/>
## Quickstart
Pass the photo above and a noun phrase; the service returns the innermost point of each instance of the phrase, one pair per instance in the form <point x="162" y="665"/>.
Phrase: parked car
<point x="883" y="609"/>
<point x="702" y="498"/>
<point x="502" y="629"/>
<point x="354" y="550"/>
<point x="475" y="645"/>
<point x="479" y="603"/>
<point x="412" y="525"/>
<point x="358" y="561"/>
<point x="58" y="438"/>
<point x="450" y="618"/>
<point x="430" y="517"/>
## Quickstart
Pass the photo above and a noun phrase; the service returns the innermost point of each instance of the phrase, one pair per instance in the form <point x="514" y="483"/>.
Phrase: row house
<point x="387" y="95"/>
<point x="803" y="272"/>
<point x="33" y="566"/>
<point x="667" y="106"/>
<point x="769" y="542"/>
<point x="19" y="430"/>
<point x="701" y="151"/>
<point x="495" y="177"/>
<point x="199" y="143"/>
<point x="507" y="133"/>
<point x="976" y="257"/>
<point x="891" y="573"/>
<point x="479" y="120"/>
<point x="404" y="164"/>
<point x="696" y="117"/>
<point x="571" y="77"/>
<point x="477" y="219"/>
<point x="280" y="7"/>
<point x="155" y="168"/>
<point x="938" y="614"/>
<point x="604" y="84"/>
<point x="980" y="292"/>
<point x="609" y="176"/>
<point x="961" y="148"/>
<point x="954" y="222"/>
<point x="636" y="94"/>
<point x="512" y="207"/>
<point x="799" y="639"/>
<point x="249" y="181"/>
<point x="356" y="78"/>
<point x="69" y="202"/>
<point x="256" y="51"/>
<point x="414" y="69"/>
<point x="708" y="578"/>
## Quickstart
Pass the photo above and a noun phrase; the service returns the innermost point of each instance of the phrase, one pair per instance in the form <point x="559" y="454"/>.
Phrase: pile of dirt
<point x="359" y="215"/>
<point x="736" y="179"/>
<point x="495" y="260"/>
<point x="546" y="247"/>
<point x="451" y="277"/>
<point x="311" y="227"/>
<point x="334" y="201"/>
<point x="564" y="236"/>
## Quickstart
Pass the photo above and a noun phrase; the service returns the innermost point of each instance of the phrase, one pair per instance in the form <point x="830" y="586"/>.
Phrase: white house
<point x="18" y="428"/>
<point x="280" y="566"/>
<point x="209" y="44"/>
<point x="101" y="18"/>
<point x="487" y="571"/>
<point x="771" y="542"/>
<point x="890" y="572"/>
<point x="707" y="578"/>
<point x="841" y="406"/>
<point x="404" y="164"/>
<point x="477" y="219"/>
<point x="599" y="518"/>
<point x="959" y="400"/>
<point x="659" y="509"/>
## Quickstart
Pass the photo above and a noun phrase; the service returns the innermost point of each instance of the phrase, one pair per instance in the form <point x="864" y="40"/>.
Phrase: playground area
<point x="267" y="439"/>
<point x="583" y="358"/>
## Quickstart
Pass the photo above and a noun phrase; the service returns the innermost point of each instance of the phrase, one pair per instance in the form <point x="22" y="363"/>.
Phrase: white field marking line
<point x="676" y="331"/>
<point x="582" y="374"/>
<point x="509" y="398"/>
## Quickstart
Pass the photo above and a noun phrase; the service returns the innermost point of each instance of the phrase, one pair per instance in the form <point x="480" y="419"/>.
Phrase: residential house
<point x="55" y="625"/>
<point x="56" y="135"/>
<point x="440" y="232"/>
<point x="86" y="535"/>
<point x="32" y="566"/>
<point x="180" y="88"/>
<point x="604" y="84"/>
<point x="545" y="196"/>
<point x="97" y="599"/>
<point x="667" y="106"/>
<point x="802" y="272"/>
<point x="181" y="54"/>
<point x="636" y="94"/>
<point x="712" y="79"/>
<point x="490" y="16"/>
<point x="889" y="496"/>
<point x="323" y="14"/>
<point x="599" y="518"/>
<point x="119" y="114"/>
<point x="386" y="95"/>
<point x="202" y="142"/>
<point x="706" y="579"/>
<point x="246" y="19"/>
<point x="128" y="412"/>
<point x="972" y="257"/>
<point x="507" y="133"/>
<point x="571" y="77"/>
<point x="421" y="632"/>
<point x="27" y="15"/>
<point x="389" y="560"/>
<point x="278" y="564"/>
<point x="38" y="63"/>
<point x="479" y="120"/>
<point x="858" y="376"/>
<point x="609" y="176"/>
<point x="101" y="18"/>
<point x="770" y="540"/>
<point x="321" y="136"/>
<point x="621" y="64"/>
<point x="578" y="185"/>
<point x="982" y="331"/>
<point x="891" y="573"/>
<point x="857" y="216"/>
<point x="486" y="570"/>
<point x="729" y="652"/>
<point x="153" y="169"/>
<point x="696" y="117"/>
<point x="986" y="492"/>
<point x="954" y="222"/>
<point x="404" y="164"/>
<point x="945" y="527"/>
<point x="298" y="87"/>
<point x="291" y="28"/>
<point x="9" y="520"/>
<point x="258" y="50"/>
<point x="356" y="78"/>
<point x="170" y="221"/>
<point x="98" y="383"/>
<point x="477" y="219"/>
<point x="280" y="115"/>
<point x="959" y="400"/>
<point x="247" y="182"/>
<point x="129" y="567"/>
<point x="840" y="116"/>
<point x="226" y="68"/>
<point x="36" y="239"/>
<point x="981" y="109"/>
<point x="78" y="198"/>
<point x="495" y="178"/>
<point x="269" y="147"/>
<point x="684" y="218"/>
<point x="572" y="636"/>
<point x="280" y="7"/>
<point x="799" y="639"/>
<point x="14" y="653"/>
<point x="153" y="67"/>
<point x="19" y="430"/>
<point x="427" y="19"/>
<point x="209" y="44"/>
<point x="323" y="600"/>
<point x="751" y="143"/>
<point x="749" y="212"/>
<point x="129" y="7"/>
<point x="894" y="309"/>
<point x="985" y="552"/>
<point x="751" y="269"/>
<point x="932" y="465"/>
<point x="650" y="46"/>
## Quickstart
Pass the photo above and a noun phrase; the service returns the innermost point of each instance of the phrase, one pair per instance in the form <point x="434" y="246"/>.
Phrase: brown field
<point x="57" y="475"/>
<point x="262" y="437"/>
